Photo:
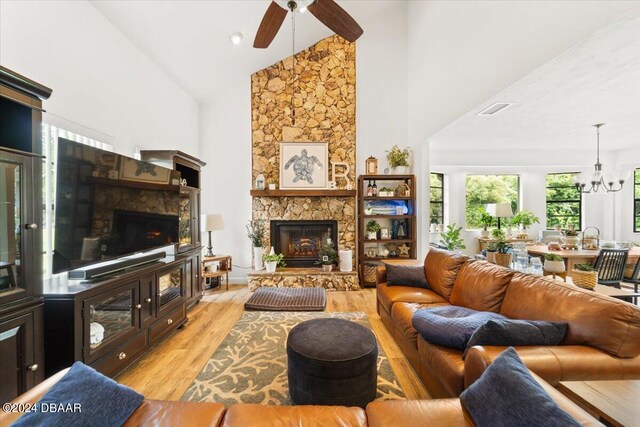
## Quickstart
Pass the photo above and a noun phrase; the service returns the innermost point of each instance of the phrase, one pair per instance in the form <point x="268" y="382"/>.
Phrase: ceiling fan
<point x="327" y="11"/>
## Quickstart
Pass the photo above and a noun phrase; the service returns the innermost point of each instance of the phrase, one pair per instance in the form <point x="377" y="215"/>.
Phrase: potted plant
<point x="399" y="160"/>
<point x="585" y="276"/>
<point x="492" y="248"/>
<point x="273" y="261"/>
<point x="372" y="229"/>
<point x="571" y="239"/>
<point x="256" y="233"/>
<point x="485" y="220"/>
<point x="451" y="238"/>
<point x="327" y="256"/>
<point x="553" y="264"/>
<point x="503" y="257"/>
<point x="525" y="219"/>
<point x="498" y="234"/>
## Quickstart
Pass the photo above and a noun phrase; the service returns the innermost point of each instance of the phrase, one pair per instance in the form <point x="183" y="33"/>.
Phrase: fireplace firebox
<point x="299" y="241"/>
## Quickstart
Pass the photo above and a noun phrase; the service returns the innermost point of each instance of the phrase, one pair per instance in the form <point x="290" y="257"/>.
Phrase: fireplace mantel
<point x="303" y="193"/>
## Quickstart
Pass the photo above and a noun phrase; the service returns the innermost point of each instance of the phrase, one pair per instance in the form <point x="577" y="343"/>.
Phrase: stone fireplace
<point x="299" y="241"/>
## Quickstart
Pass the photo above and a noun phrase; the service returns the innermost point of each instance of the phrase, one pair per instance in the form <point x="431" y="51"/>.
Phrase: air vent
<point x="495" y="108"/>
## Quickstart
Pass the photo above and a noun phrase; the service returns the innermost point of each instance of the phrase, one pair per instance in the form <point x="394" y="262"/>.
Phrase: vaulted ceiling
<point x="190" y="39"/>
<point x="597" y="80"/>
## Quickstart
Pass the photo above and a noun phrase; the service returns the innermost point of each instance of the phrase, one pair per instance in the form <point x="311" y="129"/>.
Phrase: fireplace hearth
<point x="299" y="241"/>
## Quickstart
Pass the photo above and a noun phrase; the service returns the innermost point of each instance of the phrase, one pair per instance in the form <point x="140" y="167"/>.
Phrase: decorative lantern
<point x="372" y="166"/>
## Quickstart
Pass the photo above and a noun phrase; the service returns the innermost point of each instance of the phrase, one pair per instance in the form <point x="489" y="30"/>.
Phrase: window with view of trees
<point x="484" y="189"/>
<point x="436" y="198"/>
<point x="564" y="201"/>
<point x="636" y="201"/>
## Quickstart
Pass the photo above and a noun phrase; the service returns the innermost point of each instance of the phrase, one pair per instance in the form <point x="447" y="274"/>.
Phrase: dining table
<point x="579" y="256"/>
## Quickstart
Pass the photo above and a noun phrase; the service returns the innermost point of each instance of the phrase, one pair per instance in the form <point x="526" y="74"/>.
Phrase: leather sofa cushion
<point x="388" y="295"/>
<point x="593" y="319"/>
<point x="441" y="268"/>
<point x="243" y="415"/>
<point x="405" y="413"/>
<point x="481" y="286"/>
<point x="170" y="413"/>
<point x="446" y="362"/>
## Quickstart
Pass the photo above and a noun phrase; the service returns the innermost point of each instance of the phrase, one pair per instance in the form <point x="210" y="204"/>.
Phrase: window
<point x="436" y="198"/>
<point x="484" y="189"/>
<point x="50" y="136"/>
<point x="636" y="201"/>
<point x="564" y="201"/>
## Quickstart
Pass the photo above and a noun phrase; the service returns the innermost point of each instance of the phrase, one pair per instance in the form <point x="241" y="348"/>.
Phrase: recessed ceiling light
<point x="235" y="38"/>
<point x="495" y="108"/>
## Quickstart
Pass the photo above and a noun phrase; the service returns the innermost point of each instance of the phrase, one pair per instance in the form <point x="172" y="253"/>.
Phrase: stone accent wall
<point x="321" y="88"/>
<point x="305" y="278"/>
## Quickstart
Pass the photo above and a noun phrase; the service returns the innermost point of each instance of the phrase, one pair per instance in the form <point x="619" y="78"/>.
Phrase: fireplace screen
<point x="299" y="241"/>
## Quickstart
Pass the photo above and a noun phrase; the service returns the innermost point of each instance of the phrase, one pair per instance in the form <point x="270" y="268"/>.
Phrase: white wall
<point x="103" y="86"/>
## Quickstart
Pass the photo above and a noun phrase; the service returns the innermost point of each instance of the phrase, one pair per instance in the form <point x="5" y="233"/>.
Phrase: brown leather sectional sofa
<point x="401" y="413"/>
<point x="602" y="339"/>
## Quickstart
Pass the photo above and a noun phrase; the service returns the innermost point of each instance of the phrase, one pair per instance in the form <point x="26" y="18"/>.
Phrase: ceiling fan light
<point x="236" y="38"/>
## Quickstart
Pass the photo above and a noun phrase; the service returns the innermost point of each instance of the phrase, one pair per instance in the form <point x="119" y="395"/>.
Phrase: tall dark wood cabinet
<point x="189" y="244"/>
<point x="21" y="336"/>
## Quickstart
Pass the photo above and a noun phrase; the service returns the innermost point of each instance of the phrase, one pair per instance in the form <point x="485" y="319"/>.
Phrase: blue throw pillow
<point x="450" y="326"/>
<point x="518" y="332"/>
<point x="406" y="275"/>
<point x="507" y="395"/>
<point x="83" y="397"/>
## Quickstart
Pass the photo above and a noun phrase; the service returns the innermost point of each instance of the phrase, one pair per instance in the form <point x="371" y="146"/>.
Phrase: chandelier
<point x="610" y="184"/>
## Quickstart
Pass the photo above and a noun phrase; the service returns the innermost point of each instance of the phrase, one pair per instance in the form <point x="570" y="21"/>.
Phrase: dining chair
<point x="634" y="279"/>
<point x="610" y="264"/>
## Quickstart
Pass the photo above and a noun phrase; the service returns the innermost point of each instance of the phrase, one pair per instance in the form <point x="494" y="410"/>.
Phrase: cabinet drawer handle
<point x="31" y="226"/>
<point x="33" y="367"/>
<point x="148" y="300"/>
<point x="169" y="321"/>
<point x="122" y="355"/>
<point x="138" y="306"/>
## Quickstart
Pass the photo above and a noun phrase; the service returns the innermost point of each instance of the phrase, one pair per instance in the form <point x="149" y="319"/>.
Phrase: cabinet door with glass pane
<point x="171" y="289"/>
<point x="17" y="227"/>
<point x="110" y="318"/>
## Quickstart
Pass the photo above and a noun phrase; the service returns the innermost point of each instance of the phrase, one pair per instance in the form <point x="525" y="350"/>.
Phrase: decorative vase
<point x="509" y="231"/>
<point x="503" y="260"/>
<point x="485" y="234"/>
<point x="346" y="260"/>
<point x="555" y="267"/>
<point x="491" y="257"/>
<point x="271" y="266"/>
<point x="372" y="235"/>
<point x="433" y="228"/>
<point x="258" y="253"/>
<point x="400" y="170"/>
<point x="327" y="267"/>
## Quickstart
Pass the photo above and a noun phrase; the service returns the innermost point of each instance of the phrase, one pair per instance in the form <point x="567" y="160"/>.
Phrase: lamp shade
<point x="499" y="210"/>
<point x="213" y="222"/>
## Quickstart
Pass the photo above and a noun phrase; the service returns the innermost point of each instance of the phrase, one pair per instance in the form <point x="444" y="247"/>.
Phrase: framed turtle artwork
<point x="304" y="165"/>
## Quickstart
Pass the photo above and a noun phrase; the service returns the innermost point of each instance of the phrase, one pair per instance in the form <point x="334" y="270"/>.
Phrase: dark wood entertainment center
<point x="135" y="308"/>
<point x="47" y="327"/>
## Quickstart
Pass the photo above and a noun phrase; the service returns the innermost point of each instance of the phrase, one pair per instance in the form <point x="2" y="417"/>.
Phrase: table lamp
<point x="499" y="210"/>
<point x="212" y="222"/>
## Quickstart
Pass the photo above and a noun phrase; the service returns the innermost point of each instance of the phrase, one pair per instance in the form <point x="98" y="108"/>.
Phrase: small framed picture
<point x="399" y="210"/>
<point x="384" y="233"/>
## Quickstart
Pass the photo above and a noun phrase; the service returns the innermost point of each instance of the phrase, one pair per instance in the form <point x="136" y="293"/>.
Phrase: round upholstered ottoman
<point x="332" y="362"/>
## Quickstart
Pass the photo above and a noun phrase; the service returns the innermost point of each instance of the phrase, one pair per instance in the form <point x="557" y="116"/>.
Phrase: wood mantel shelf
<point x="303" y="193"/>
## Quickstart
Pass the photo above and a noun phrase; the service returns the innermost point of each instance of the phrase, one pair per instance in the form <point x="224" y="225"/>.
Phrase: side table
<point x="225" y="267"/>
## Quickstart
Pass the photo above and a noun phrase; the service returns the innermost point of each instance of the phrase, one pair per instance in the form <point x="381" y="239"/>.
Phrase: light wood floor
<point x="167" y="370"/>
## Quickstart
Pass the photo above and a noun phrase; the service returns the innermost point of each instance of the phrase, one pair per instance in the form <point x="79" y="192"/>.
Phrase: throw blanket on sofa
<point x="450" y="326"/>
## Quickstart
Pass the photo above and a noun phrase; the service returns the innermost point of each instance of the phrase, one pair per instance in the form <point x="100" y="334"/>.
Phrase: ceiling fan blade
<point x="336" y="18"/>
<point x="271" y="23"/>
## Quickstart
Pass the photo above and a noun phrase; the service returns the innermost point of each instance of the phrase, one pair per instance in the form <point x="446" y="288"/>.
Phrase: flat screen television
<point x="108" y="205"/>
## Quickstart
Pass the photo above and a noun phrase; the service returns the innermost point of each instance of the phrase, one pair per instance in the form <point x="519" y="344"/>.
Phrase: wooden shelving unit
<point x="408" y="220"/>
